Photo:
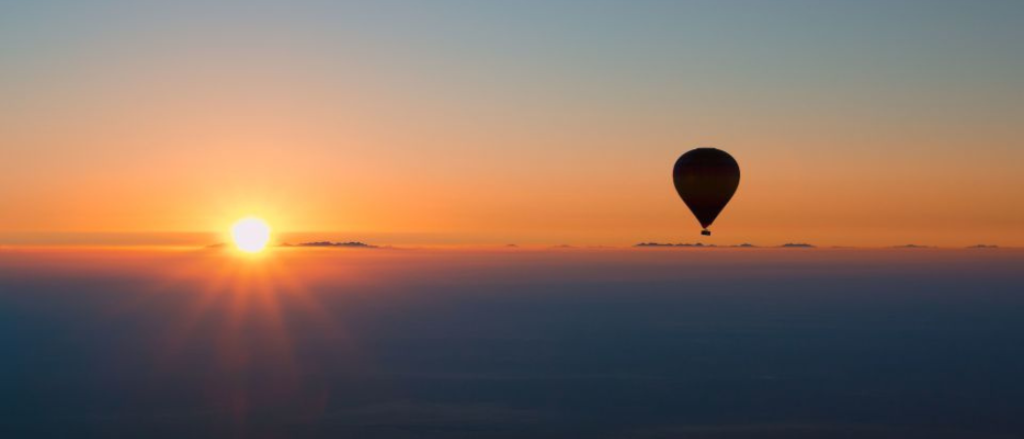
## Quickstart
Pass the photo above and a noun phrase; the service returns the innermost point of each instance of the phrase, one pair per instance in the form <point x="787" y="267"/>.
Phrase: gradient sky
<point x="854" y="123"/>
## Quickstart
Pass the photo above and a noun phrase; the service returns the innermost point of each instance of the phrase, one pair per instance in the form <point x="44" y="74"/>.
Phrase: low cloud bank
<point x="688" y="244"/>
<point x="348" y="244"/>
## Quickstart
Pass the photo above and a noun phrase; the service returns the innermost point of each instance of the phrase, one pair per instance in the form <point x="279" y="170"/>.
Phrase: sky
<point x="870" y="123"/>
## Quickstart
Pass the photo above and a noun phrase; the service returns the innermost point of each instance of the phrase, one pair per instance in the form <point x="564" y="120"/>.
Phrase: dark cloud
<point x="694" y="244"/>
<point x="411" y="414"/>
<point x="668" y="244"/>
<point x="348" y="244"/>
<point x="540" y="344"/>
<point x="798" y="431"/>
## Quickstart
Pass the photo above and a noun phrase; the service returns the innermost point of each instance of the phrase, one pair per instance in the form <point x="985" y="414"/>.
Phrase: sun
<point x="251" y="234"/>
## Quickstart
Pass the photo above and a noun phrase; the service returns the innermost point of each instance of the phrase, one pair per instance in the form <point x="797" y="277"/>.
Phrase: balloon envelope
<point x="706" y="179"/>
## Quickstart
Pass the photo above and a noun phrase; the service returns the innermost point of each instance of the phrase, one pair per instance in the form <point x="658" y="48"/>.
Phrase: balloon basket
<point x="705" y="232"/>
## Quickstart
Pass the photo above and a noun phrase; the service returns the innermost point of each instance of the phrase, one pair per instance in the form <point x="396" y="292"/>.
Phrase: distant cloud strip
<point x="701" y="245"/>
<point x="688" y="244"/>
<point x="349" y="244"/>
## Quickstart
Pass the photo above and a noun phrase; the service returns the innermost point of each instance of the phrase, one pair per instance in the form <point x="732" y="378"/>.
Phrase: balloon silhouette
<point x="706" y="179"/>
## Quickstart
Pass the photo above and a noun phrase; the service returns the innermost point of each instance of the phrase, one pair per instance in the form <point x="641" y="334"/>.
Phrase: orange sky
<point x="447" y="131"/>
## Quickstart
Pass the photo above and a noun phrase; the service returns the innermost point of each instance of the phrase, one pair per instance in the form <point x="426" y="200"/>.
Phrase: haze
<point x="855" y="123"/>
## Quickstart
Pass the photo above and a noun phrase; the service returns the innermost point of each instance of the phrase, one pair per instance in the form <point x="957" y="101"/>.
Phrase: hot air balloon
<point x="706" y="179"/>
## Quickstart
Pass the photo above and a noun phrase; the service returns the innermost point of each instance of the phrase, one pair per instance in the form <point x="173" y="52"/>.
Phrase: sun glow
<point x="250" y="234"/>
